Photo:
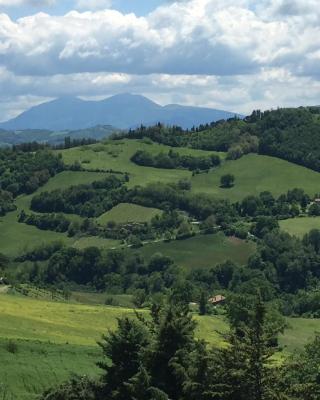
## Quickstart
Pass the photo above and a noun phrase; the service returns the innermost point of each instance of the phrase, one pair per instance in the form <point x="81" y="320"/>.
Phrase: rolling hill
<point x="121" y="111"/>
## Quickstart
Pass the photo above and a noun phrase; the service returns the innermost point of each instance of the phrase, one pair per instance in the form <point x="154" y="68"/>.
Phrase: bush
<point x="227" y="181"/>
<point x="12" y="347"/>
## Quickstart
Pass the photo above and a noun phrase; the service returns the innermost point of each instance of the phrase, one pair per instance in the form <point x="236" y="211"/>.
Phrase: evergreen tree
<point x="243" y="370"/>
<point x="203" y="304"/>
<point x="124" y="348"/>
<point x="170" y="355"/>
<point x="302" y="374"/>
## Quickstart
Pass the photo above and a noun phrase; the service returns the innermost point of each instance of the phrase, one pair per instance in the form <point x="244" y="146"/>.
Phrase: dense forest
<point x="25" y="172"/>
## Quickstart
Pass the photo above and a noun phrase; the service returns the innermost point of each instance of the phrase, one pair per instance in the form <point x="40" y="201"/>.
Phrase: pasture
<point x="203" y="251"/>
<point x="16" y="238"/>
<point x="124" y="212"/>
<point x="55" y="340"/>
<point x="300" y="226"/>
<point x="255" y="174"/>
<point x="116" y="155"/>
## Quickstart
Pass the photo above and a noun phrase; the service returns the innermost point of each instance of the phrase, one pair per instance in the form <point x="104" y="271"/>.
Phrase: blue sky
<point x="236" y="55"/>
<point x="139" y="7"/>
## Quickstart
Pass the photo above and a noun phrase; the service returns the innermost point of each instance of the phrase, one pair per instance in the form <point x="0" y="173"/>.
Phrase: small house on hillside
<point x="217" y="300"/>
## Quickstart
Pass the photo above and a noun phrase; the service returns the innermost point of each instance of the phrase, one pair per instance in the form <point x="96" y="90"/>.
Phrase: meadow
<point x="55" y="340"/>
<point x="16" y="238"/>
<point x="124" y="212"/>
<point x="300" y="226"/>
<point x="253" y="174"/>
<point x="256" y="173"/>
<point x="203" y="251"/>
<point x="116" y="155"/>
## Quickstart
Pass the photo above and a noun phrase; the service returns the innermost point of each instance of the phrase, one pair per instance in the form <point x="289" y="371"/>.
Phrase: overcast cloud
<point x="236" y="55"/>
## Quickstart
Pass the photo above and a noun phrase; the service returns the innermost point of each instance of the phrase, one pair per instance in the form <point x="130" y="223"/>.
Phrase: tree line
<point x="173" y="160"/>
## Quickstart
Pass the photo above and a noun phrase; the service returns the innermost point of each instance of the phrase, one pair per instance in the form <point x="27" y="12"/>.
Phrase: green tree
<point x="203" y="304"/>
<point x="170" y="355"/>
<point x="124" y="348"/>
<point x="302" y="373"/>
<point x="244" y="368"/>
<point x="78" y="388"/>
<point x="227" y="181"/>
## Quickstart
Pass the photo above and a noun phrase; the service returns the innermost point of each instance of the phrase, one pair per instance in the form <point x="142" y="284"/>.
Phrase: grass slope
<point x="300" y="226"/>
<point x="255" y="174"/>
<point x="125" y="212"/>
<point x="57" y="339"/>
<point x="15" y="237"/>
<point x="203" y="250"/>
<point x="116" y="155"/>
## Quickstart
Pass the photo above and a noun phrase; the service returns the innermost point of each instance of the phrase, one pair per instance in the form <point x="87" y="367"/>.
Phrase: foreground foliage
<point x="161" y="359"/>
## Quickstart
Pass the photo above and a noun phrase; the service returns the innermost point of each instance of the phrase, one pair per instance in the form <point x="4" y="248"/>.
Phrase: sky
<point x="236" y="55"/>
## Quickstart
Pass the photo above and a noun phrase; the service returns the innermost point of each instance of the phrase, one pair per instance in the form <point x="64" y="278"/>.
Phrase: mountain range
<point x="122" y="111"/>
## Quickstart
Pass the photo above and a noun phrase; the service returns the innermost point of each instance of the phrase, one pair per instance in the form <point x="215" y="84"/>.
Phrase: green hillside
<point x="203" y="250"/>
<point x="55" y="340"/>
<point x="256" y="173"/>
<point x="300" y="226"/>
<point x="116" y="155"/>
<point x="124" y="212"/>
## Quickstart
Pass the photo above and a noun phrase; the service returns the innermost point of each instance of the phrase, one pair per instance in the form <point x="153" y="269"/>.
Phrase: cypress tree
<point x="203" y="304"/>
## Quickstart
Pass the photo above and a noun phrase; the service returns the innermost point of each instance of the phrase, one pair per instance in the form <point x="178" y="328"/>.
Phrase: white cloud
<point x="232" y="54"/>
<point x="34" y="3"/>
<point x="93" y="4"/>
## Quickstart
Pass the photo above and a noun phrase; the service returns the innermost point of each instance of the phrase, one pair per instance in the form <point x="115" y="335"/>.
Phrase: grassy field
<point x="125" y="212"/>
<point x="116" y="155"/>
<point x="300" y="226"/>
<point x="95" y="241"/>
<point x="203" y="250"/>
<point x="16" y="238"/>
<point x="255" y="174"/>
<point x="56" y="339"/>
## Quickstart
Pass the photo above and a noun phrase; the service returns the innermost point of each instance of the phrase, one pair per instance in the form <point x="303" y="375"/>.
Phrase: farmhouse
<point x="216" y="300"/>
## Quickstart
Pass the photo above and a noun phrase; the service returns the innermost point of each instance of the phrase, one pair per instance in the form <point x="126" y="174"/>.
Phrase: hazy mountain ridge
<point x="8" y="138"/>
<point x="122" y="111"/>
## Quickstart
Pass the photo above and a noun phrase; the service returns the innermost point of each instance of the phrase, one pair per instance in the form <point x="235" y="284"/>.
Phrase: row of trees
<point x="89" y="200"/>
<point x="174" y="160"/>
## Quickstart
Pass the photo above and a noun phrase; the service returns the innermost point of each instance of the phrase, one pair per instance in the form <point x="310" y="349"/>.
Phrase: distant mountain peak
<point x="123" y="111"/>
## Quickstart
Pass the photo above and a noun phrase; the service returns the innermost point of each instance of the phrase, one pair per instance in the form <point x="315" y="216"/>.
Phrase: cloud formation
<point x="234" y="54"/>
<point x="34" y="3"/>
